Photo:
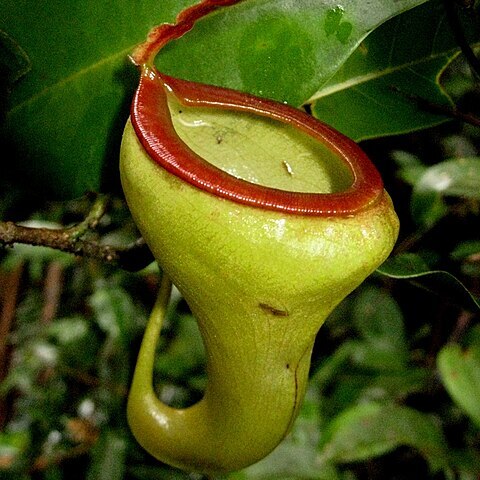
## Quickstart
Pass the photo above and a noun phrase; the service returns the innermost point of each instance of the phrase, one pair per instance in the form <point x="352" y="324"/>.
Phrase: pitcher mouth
<point x="153" y="126"/>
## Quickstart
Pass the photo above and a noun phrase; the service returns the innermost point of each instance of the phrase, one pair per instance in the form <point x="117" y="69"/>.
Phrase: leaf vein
<point x="66" y="80"/>
<point x="360" y="79"/>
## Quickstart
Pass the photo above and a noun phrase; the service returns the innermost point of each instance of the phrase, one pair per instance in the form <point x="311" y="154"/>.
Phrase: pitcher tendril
<point x="158" y="37"/>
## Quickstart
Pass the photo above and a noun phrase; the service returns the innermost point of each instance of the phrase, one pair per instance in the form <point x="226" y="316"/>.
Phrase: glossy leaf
<point x="66" y="116"/>
<point x="379" y="320"/>
<point x="460" y="374"/>
<point x="278" y="49"/>
<point x="412" y="267"/>
<point x="368" y="430"/>
<point x="386" y="86"/>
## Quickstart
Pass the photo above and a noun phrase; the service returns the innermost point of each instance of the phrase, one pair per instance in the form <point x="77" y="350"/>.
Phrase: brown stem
<point x="83" y="432"/>
<point x="52" y="291"/>
<point x="10" y="287"/>
<point x="463" y="321"/>
<point x="74" y="240"/>
<point x="64" y="239"/>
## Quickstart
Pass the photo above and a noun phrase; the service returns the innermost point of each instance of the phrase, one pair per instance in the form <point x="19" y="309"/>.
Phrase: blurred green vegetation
<point x="395" y="384"/>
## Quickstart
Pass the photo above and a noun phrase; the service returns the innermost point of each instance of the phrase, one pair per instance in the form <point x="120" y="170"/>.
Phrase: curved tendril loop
<point x="259" y="294"/>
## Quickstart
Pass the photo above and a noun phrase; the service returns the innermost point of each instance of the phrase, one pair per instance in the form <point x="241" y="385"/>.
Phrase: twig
<point x="446" y="110"/>
<point x="76" y="240"/>
<point x="132" y="258"/>
<point x="459" y="34"/>
<point x="64" y="239"/>
<point x="94" y="216"/>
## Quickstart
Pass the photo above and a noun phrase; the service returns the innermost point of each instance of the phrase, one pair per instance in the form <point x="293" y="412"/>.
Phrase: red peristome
<point x="153" y="125"/>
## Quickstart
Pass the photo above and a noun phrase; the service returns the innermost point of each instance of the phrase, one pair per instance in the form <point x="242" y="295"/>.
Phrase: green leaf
<point x="459" y="177"/>
<point x="369" y="430"/>
<point x="386" y="85"/>
<point x="427" y="208"/>
<point x="53" y="472"/>
<point x="109" y="457"/>
<point x="12" y="445"/>
<point x="65" y="118"/>
<point x="379" y="320"/>
<point x="409" y="266"/>
<point x="467" y="462"/>
<point x="467" y="253"/>
<point x="77" y="343"/>
<point x="361" y="380"/>
<point x="395" y="384"/>
<point x="278" y="49"/>
<point x="115" y="312"/>
<point x="465" y="249"/>
<point x="410" y="167"/>
<point x="460" y="374"/>
<point x="332" y="365"/>
<point x="185" y="352"/>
